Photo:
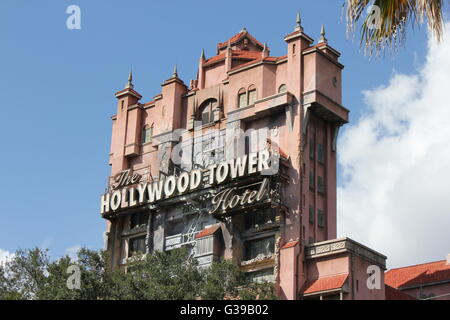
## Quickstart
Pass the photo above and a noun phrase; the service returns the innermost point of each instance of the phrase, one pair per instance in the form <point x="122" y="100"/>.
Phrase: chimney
<point x="448" y="260"/>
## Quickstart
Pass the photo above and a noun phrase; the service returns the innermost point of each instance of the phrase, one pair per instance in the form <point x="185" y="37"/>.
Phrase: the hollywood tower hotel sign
<point x="240" y="164"/>
<point x="130" y="191"/>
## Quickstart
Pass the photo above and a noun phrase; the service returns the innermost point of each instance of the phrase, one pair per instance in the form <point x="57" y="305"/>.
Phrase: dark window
<point x="320" y="218"/>
<point x="260" y="218"/>
<point x="311" y="149"/>
<point x="255" y="248"/>
<point x="311" y="214"/>
<point x="136" y="245"/>
<point x="260" y="275"/>
<point x="251" y="97"/>
<point x="320" y="185"/>
<point x="147" y="134"/>
<point x="242" y="98"/>
<point x="310" y="240"/>
<point x="311" y="180"/>
<point x="138" y="219"/>
<point x="207" y="114"/>
<point x="320" y="153"/>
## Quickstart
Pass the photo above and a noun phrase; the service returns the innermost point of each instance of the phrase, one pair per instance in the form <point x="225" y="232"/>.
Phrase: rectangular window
<point x="320" y="153"/>
<point x="205" y="117"/>
<point x="261" y="275"/>
<point x="311" y="180"/>
<point x="311" y="214"/>
<point x="260" y="247"/>
<point x="320" y="185"/>
<point x="147" y="135"/>
<point x="311" y="149"/>
<point x="242" y="100"/>
<point x="320" y="219"/>
<point x="260" y="218"/>
<point x="251" y="97"/>
<point x="138" y="219"/>
<point x="136" y="245"/>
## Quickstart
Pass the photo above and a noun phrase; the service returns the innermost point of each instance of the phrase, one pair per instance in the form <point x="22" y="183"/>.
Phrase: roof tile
<point x="325" y="283"/>
<point x="418" y="274"/>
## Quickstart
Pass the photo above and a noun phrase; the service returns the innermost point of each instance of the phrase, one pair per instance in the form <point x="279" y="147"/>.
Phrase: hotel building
<point x="240" y="163"/>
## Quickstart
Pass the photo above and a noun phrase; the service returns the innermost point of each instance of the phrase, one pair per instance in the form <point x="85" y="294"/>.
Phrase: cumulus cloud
<point x="5" y="256"/>
<point x="395" y="164"/>
<point x="72" y="252"/>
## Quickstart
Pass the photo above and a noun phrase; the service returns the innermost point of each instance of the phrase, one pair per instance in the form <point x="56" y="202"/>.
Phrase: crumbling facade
<point x="239" y="164"/>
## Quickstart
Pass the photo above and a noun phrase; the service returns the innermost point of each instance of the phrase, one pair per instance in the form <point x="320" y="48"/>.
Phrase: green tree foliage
<point x="174" y="275"/>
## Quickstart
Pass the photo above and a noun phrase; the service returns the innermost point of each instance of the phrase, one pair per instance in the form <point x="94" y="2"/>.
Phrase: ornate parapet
<point x="344" y="245"/>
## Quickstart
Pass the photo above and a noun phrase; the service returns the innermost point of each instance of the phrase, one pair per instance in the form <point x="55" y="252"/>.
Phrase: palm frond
<point x="384" y="21"/>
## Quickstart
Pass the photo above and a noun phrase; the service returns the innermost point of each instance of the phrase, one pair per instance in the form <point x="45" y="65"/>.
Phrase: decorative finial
<point x="129" y="84"/>
<point x="175" y="73"/>
<point x="244" y="29"/>
<point x="202" y="56"/>
<point x="298" y="23"/>
<point x="322" y="35"/>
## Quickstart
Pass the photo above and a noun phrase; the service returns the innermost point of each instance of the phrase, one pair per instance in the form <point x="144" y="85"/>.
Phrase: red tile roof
<point x="128" y="89"/>
<point x="290" y="244"/>
<point x="394" y="294"/>
<point x="241" y="54"/>
<point x="292" y="33"/>
<point x="268" y="59"/>
<point x="236" y="54"/>
<point x="325" y="284"/>
<point x="238" y="37"/>
<point x="418" y="274"/>
<point x="208" y="231"/>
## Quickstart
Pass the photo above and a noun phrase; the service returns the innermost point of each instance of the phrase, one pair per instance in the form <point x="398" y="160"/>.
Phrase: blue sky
<point x="57" y="85"/>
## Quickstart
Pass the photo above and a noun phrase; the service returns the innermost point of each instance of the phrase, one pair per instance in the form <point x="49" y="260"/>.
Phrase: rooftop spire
<point x="202" y="56"/>
<point x="175" y="73"/>
<point x="322" y="35"/>
<point x="244" y="29"/>
<point x="298" y="23"/>
<point x="129" y="84"/>
<point x="265" y="52"/>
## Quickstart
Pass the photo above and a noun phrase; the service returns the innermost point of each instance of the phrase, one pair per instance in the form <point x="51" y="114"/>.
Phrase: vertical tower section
<point x="291" y="257"/>
<point x="323" y="115"/>
<point x="126" y="127"/>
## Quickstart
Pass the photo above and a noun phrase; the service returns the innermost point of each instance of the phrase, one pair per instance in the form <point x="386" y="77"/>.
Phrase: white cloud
<point x="5" y="256"/>
<point x="72" y="252"/>
<point x="395" y="162"/>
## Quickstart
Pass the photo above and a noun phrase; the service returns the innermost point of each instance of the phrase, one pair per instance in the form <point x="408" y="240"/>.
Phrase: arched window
<point x="251" y="95"/>
<point x="147" y="134"/>
<point x="206" y="111"/>
<point x="242" y="98"/>
<point x="282" y="88"/>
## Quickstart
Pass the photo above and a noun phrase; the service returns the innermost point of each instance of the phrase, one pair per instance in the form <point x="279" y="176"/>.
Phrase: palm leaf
<point x="385" y="25"/>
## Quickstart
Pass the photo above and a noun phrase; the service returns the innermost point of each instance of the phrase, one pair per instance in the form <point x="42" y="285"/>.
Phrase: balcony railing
<point x="179" y="240"/>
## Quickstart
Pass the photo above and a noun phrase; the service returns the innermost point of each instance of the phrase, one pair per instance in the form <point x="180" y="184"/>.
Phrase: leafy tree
<point x="160" y="276"/>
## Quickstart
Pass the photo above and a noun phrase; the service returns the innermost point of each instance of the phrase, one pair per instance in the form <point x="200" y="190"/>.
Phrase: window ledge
<point x="260" y="262"/>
